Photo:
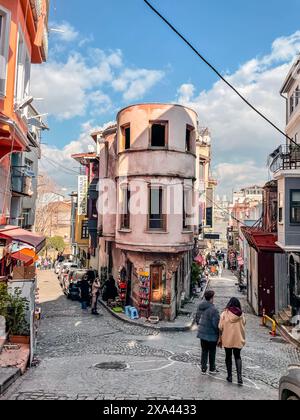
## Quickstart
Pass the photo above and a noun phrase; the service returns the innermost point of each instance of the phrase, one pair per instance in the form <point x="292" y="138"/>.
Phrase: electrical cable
<point x="218" y="73"/>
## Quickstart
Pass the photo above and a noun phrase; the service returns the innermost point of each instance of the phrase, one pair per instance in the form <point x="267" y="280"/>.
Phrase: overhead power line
<point x="217" y="72"/>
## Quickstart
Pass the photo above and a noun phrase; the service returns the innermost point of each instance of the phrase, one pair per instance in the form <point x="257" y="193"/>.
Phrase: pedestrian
<point x="95" y="295"/>
<point x="208" y="318"/>
<point x="84" y="288"/>
<point x="45" y="264"/>
<point x="232" y="336"/>
<point x="109" y="289"/>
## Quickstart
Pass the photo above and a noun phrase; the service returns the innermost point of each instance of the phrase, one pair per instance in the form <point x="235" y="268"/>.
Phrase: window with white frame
<point x="4" y="45"/>
<point x="23" y="71"/>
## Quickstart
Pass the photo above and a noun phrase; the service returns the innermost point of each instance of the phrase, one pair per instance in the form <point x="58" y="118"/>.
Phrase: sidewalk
<point x="183" y="322"/>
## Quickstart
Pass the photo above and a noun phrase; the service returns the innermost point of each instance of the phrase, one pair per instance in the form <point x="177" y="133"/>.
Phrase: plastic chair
<point x="134" y="313"/>
<point x="127" y="310"/>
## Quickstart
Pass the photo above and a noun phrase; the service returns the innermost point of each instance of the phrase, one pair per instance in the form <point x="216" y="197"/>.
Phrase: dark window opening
<point x="158" y="134"/>
<point x="295" y="206"/>
<point x="280" y="214"/>
<point x="125" y="216"/>
<point x="209" y="217"/>
<point x="185" y="210"/>
<point x="94" y="214"/>
<point x="127" y="138"/>
<point x="188" y="140"/>
<point x="85" y="229"/>
<point x="291" y="104"/>
<point x="156" y="216"/>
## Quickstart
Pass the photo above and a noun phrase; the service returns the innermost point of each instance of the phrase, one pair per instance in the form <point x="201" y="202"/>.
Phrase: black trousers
<point x="236" y="353"/>
<point x="209" y="350"/>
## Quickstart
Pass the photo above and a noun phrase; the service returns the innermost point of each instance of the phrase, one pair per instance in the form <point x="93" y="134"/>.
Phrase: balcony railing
<point x="21" y="183"/>
<point x="285" y="157"/>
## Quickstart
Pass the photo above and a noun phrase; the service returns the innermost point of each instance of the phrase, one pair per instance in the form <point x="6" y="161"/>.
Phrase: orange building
<point x="23" y="41"/>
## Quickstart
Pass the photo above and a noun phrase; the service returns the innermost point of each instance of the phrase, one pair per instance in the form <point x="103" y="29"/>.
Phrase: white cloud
<point x="64" y="32"/>
<point x="135" y="83"/>
<point x="74" y="86"/>
<point x="238" y="175"/>
<point x="241" y="137"/>
<point x="58" y="163"/>
<point x="68" y="88"/>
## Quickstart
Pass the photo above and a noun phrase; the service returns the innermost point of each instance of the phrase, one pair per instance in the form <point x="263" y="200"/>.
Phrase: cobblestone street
<point x="154" y="365"/>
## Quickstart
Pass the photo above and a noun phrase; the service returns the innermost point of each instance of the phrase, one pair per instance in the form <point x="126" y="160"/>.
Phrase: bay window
<point x="295" y="206"/>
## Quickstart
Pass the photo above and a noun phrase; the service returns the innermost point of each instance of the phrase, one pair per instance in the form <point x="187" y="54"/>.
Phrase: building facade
<point x="85" y="212"/>
<point x="285" y="164"/>
<point x="23" y="41"/>
<point x="149" y="204"/>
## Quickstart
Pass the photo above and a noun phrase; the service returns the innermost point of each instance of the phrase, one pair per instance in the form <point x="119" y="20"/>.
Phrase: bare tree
<point x="47" y="197"/>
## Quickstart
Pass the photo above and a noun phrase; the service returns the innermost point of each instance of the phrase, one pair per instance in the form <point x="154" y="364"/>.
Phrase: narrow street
<point x="157" y="365"/>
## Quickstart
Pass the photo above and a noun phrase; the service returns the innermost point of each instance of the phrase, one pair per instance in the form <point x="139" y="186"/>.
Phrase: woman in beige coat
<point x="232" y="336"/>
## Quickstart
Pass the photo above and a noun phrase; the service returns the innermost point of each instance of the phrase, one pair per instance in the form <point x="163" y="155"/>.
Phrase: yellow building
<point x="82" y="240"/>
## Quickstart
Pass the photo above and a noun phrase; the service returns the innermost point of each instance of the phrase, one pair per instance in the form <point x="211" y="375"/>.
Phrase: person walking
<point x="45" y="264"/>
<point x="232" y="336"/>
<point x="84" y="288"/>
<point x="208" y="318"/>
<point x="95" y="295"/>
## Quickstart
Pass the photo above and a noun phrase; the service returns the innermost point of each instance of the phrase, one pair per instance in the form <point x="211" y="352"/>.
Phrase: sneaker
<point x="95" y="313"/>
<point x="214" y="372"/>
<point x="203" y="371"/>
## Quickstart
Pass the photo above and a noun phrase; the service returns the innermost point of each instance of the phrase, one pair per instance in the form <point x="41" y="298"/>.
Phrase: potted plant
<point x="18" y="327"/>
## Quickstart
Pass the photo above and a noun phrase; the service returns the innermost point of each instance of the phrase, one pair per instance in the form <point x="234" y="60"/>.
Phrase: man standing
<point x="84" y="288"/>
<point x="208" y="318"/>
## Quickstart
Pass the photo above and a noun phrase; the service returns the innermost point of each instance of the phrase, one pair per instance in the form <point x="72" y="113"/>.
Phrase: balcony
<point x="285" y="158"/>
<point x="21" y="182"/>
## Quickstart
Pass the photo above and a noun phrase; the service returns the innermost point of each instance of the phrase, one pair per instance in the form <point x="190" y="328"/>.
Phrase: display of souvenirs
<point x="144" y="294"/>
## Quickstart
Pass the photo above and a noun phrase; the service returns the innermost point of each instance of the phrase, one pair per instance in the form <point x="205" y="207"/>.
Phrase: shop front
<point x="18" y="254"/>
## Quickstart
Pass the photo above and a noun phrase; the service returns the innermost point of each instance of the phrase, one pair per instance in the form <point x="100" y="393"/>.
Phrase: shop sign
<point x="82" y="195"/>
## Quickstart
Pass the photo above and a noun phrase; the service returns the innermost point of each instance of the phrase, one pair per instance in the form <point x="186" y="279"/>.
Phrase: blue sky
<point x="142" y="60"/>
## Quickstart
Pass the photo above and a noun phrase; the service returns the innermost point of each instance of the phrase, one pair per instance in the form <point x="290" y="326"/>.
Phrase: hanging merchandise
<point x="144" y="294"/>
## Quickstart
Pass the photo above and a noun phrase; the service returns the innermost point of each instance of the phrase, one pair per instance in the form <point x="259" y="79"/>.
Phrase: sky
<point x="110" y="54"/>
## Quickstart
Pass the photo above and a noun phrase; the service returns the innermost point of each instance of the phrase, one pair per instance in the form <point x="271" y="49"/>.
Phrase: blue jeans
<point x="84" y="305"/>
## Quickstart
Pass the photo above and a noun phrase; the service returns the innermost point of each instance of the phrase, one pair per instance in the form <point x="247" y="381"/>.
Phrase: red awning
<point x="261" y="240"/>
<point x="15" y="233"/>
<point x="26" y="259"/>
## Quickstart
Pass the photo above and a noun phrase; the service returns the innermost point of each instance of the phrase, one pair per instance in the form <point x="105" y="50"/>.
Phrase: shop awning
<point x="15" y="233"/>
<point x="261" y="240"/>
<point x="26" y="259"/>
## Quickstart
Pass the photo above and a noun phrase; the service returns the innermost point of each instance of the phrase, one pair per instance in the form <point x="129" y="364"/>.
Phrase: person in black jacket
<point x="84" y="287"/>
<point x="109" y="289"/>
<point x="208" y="319"/>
